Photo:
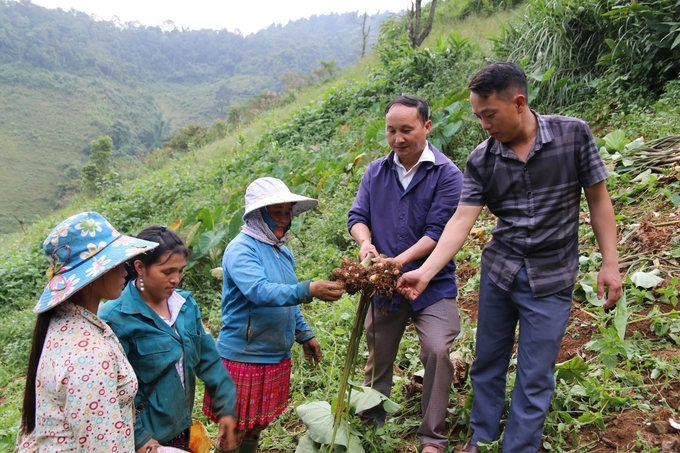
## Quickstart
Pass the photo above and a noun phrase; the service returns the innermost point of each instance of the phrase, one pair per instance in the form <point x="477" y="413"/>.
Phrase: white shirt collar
<point x="175" y="303"/>
<point x="405" y="176"/>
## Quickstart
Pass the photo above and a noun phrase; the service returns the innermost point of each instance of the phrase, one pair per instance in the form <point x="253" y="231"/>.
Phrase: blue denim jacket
<point x="152" y="347"/>
<point x="261" y="317"/>
<point x="399" y="218"/>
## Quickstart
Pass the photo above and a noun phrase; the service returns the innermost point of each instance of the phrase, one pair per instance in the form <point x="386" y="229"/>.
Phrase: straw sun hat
<point x="268" y="191"/>
<point x="81" y="249"/>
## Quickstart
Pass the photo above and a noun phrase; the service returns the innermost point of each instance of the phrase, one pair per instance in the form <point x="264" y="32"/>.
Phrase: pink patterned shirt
<point x="85" y="388"/>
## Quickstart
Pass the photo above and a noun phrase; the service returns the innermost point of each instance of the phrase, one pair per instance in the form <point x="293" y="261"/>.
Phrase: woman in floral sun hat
<point x="80" y="387"/>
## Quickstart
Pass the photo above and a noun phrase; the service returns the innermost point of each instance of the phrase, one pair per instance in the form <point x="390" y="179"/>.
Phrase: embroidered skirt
<point x="261" y="392"/>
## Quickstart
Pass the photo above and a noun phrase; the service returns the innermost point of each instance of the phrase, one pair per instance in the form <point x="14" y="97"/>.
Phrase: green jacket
<point x="153" y="347"/>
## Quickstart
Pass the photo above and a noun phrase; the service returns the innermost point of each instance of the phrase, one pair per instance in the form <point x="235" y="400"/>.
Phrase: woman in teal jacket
<point x="161" y="331"/>
<point x="261" y="318"/>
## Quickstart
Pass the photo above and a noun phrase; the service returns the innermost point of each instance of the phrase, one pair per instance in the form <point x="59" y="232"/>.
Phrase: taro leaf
<point x="646" y="279"/>
<point x="372" y="130"/>
<point x="236" y="222"/>
<point x="615" y="141"/>
<point x="364" y="398"/>
<point x="452" y="128"/>
<point x="306" y="445"/>
<point x="572" y="370"/>
<point x="355" y="445"/>
<point x="587" y="290"/>
<point x="635" y="144"/>
<point x="560" y="83"/>
<point x="208" y="240"/>
<point x="621" y="316"/>
<point x="329" y="184"/>
<point x="643" y="178"/>
<point x="319" y="420"/>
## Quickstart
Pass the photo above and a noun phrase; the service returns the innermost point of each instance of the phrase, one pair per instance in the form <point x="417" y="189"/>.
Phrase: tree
<point x="98" y="166"/>
<point x="416" y="34"/>
<point x="365" y="32"/>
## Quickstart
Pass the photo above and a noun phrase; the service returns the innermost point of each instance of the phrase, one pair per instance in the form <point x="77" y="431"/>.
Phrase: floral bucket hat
<point x="268" y="191"/>
<point x="81" y="249"/>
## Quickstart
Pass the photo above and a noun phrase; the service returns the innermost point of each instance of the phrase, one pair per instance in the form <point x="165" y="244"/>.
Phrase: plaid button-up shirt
<point x="536" y="202"/>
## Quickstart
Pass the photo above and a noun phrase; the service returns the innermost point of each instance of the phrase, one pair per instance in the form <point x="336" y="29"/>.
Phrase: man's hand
<point x="412" y="284"/>
<point x="366" y="248"/>
<point x="610" y="278"/>
<point x="327" y="291"/>
<point x="226" y="434"/>
<point x="312" y="351"/>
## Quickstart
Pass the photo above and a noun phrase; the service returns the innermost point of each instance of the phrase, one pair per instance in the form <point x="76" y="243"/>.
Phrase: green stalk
<point x="341" y="408"/>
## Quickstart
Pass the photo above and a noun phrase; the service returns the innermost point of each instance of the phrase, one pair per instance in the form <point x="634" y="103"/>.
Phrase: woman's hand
<point x="327" y="291"/>
<point x="312" y="351"/>
<point x="226" y="434"/>
<point x="150" y="447"/>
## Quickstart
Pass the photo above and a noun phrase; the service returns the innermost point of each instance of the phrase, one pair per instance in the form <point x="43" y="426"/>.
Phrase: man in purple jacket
<point x="401" y="209"/>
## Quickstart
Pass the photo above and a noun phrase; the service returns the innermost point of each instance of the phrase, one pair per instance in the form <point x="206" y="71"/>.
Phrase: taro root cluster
<point x="374" y="278"/>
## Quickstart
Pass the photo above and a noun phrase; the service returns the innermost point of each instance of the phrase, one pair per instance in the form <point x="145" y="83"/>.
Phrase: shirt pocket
<point x="155" y="355"/>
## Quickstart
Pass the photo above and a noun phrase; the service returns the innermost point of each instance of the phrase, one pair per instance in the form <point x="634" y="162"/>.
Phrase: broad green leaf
<point x="318" y="419"/>
<point x="452" y="128"/>
<point x="621" y="316"/>
<point x="364" y="398"/>
<point x="646" y="279"/>
<point x="615" y="140"/>
<point x="572" y="370"/>
<point x="635" y="144"/>
<point x="328" y="184"/>
<point x="355" y="445"/>
<point x="209" y="239"/>
<point x="296" y="223"/>
<point x="673" y="196"/>
<point x="236" y="222"/>
<point x="381" y="138"/>
<point x="562" y="82"/>
<point x="306" y="445"/>
<point x="644" y="177"/>
<point x="578" y="390"/>
<point x="587" y="290"/>
<point x="373" y="131"/>
<point x="547" y="75"/>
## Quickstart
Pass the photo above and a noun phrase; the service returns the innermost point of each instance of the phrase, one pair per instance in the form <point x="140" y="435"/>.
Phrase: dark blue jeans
<point x="542" y="322"/>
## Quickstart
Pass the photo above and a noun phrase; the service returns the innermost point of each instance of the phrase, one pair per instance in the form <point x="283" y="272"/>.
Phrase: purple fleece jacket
<point x="399" y="218"/>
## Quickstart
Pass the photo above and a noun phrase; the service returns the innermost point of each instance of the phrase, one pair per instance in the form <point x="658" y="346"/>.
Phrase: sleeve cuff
<point x="305" y="291"/>
<point x="303" y="336"/>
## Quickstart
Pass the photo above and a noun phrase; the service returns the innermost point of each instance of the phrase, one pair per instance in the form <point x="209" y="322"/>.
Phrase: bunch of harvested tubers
<point x="380" y="278"/>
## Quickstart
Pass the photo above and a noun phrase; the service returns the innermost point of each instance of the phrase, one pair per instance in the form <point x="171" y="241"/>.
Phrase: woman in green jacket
<point x="162" y="334"/>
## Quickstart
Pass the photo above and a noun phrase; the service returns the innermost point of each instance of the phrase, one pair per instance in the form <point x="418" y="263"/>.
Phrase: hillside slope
<point x="66" y="79"/>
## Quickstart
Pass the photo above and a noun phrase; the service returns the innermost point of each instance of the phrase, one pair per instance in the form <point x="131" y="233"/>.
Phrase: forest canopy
<point x="75" y="42"/>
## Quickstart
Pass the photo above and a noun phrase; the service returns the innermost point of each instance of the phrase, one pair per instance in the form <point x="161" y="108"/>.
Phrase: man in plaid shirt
<point x="529" y="173"/>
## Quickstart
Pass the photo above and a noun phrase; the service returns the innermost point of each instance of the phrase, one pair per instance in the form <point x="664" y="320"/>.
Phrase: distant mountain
<point x="66" y="78"/>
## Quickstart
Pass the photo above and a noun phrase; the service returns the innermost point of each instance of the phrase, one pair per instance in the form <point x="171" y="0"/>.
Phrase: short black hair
<point x="169" y="243"/>
<point x="421" y="106"/>
<point x="499" y="78"/>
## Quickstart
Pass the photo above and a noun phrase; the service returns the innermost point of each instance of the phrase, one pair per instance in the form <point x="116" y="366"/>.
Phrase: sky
<point x="248" y="16"/>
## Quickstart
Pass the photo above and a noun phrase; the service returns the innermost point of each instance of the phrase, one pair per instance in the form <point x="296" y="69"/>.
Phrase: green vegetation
<point x="618" y="368"/>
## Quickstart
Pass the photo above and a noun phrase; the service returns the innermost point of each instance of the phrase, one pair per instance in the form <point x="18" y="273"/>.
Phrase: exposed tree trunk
<point x="365" y="31"/>
<point x="416" y="34"/>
